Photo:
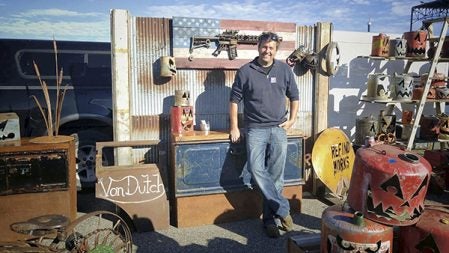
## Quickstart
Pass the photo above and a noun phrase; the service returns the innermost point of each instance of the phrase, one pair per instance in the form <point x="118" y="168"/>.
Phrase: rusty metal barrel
<point x="343" y="230"/>
<point x="416" y="43"/>
<point x="389" y="184"/>
<point x="430" y="234"/>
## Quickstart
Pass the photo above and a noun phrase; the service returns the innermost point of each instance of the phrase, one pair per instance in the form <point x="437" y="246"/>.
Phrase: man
<point x="263" y="84"/>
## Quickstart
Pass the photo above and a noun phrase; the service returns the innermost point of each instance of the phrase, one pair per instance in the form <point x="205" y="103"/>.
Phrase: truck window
<point x="45" y="59"/>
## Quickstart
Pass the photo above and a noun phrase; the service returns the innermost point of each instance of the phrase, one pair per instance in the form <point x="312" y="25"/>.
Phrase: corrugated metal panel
<point x="305" y="82"/>
<point x="153" y="96"/>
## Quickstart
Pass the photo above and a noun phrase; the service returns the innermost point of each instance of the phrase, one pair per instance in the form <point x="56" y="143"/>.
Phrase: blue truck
<point x="87" y="106"/>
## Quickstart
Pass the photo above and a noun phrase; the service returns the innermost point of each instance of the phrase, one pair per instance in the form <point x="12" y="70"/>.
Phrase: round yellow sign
<point x="333" y="160"/>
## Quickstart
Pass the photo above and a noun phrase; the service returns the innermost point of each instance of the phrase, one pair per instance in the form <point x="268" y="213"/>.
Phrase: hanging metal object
<point x="332" y="57"/>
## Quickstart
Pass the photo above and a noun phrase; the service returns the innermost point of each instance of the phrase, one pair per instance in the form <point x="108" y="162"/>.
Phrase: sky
<point x="89" y="20"/>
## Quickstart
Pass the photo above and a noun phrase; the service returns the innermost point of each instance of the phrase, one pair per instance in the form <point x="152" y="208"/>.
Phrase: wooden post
<point x="323" y="35"/>
<point x="120" y="47"/>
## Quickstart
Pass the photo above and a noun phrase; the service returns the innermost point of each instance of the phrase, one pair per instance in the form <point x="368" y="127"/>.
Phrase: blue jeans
<point x="267" y="152"/>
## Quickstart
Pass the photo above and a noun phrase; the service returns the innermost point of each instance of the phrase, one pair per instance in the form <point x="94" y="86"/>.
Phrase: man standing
<point x="263" y="84"/>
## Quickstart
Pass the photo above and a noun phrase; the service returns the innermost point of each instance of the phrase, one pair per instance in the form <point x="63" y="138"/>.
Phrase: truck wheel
<point x="86" y="153"/>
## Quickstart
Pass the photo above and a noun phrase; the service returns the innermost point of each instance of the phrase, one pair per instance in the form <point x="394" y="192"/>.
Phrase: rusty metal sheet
<point x="151" y="96"/>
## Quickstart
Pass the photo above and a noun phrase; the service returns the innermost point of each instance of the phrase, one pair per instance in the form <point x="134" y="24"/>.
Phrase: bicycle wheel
<point x="99" y="231"/>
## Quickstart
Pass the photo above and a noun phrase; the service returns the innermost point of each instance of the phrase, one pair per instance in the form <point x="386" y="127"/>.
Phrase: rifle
<point x="228" y="40"/>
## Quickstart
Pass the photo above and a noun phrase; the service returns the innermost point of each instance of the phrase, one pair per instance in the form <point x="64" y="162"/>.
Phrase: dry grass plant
<point x="52" y="126"/>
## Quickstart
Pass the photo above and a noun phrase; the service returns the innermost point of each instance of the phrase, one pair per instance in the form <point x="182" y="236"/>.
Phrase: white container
<point x="378" y="87"/>
<point x="403" y="87"/>
<point x="9" y="127"/>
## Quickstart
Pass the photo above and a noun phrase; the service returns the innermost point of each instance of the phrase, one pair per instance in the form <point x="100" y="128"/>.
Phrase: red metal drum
<point x="343" y="230"/>
<point x="389" y="185"/>
<point x="430" y="234"/>
<point x="416" y="43"/>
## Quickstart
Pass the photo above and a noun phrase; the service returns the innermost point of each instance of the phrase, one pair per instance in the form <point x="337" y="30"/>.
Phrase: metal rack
<point x="434" y="62"/>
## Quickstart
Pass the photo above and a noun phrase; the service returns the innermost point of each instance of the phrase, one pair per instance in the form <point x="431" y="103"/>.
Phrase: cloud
<point x="236" y="10"/>
<point x="54" y="13"/>
<point x="81" y="30"/>
<point x="397" y="8"/>
<point x="359" y="2"/>
<point x="60" y="23"/>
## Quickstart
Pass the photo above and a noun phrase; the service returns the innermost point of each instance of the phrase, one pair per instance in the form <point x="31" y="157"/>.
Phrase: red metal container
<point x="389" y="185"/>
<point x="416" y="43"/>
<point x="430" y="234"/>
<point x="181" y="119"/>
<point x="380" y="45"/>
<point x="343" y="230"/>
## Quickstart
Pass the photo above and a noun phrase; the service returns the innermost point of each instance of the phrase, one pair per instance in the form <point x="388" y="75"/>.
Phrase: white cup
<point x="204" y="126"/>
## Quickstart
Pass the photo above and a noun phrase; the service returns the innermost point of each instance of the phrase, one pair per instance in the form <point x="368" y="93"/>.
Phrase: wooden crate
<point x="51" y="168"/>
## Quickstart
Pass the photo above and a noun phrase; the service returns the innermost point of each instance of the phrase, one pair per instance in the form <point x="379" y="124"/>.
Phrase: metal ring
<point x="332" y="60"/>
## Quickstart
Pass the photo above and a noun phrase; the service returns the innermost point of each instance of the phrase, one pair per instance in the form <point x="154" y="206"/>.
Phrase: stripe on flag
<point x="186" y="27"/>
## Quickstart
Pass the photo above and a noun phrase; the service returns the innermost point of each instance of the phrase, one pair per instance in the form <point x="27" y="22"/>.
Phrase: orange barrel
<point x="343" y="230"/>
<point x="389" y="185"/>
<point x="380" y="45"/>
<point x="430" y="234"/>
<point x="398" y="47"/>
<point x="416" y="43"/>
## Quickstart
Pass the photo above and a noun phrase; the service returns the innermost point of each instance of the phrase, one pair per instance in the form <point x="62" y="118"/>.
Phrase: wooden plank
<point x="217" y="136"/>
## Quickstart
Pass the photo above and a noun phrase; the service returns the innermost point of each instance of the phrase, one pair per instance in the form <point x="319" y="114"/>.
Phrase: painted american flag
<point x="183" y="28"/>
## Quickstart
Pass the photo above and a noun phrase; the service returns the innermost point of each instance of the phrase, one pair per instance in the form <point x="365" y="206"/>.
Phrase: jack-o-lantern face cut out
<point x="403" y="86"/>
<point x="416" y="43"/>
<point x="389" y="185"/>
<point x="430" y="234"/>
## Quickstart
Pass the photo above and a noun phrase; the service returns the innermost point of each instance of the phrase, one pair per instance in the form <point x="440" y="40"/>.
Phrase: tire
<point x="86" y="153"/>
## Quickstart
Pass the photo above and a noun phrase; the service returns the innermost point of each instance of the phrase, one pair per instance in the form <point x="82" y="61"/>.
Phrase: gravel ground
<point x="241" y="236"/>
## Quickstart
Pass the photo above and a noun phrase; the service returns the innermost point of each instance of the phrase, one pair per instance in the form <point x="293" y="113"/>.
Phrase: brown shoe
<point x="287" y="223"/>
<point x="272" y="230"/>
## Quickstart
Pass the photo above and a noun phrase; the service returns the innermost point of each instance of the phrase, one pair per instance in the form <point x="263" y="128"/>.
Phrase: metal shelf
<point x="420" y="103"/>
